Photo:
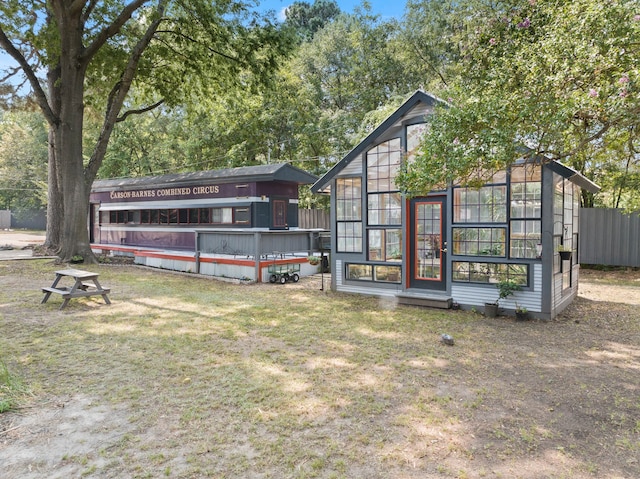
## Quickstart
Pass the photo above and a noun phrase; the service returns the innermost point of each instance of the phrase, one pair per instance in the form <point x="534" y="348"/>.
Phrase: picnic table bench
<point x="85" y="284"/>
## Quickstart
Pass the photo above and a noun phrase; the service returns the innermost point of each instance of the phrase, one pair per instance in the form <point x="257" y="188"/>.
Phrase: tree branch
<point x="113" y="29"/>
<point x="87" y="11"/>
<point x="193" y="40"/>
<point x="41" y="97"/>
<point x="76" y="6"/>
<point x="119" y="92"/>
<point x="139" y="111"/>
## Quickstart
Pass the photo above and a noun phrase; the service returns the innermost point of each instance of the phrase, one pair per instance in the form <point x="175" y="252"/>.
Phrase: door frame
<point x="412" y="282"/>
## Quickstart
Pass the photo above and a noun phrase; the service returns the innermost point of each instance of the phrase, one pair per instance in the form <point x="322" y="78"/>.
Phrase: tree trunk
<point x="55" y="214"/>
<point x="54" y="200"/>
<point x="68" y="103"/>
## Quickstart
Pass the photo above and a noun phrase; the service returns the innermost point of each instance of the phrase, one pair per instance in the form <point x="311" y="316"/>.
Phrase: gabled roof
<point x="273" y="172"/>
<point x="406" y="107"/>
<point x="574" y="176"/>
<point x="429" y="100"/>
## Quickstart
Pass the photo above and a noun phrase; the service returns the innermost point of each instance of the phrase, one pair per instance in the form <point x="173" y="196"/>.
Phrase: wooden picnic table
<point x="85" y="284"/>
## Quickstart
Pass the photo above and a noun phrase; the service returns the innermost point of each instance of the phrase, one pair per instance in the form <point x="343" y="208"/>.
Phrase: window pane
<point x="524" y="237"/>
<point x="204" y="215"/>
<point x="482" y="205"/>
<point x="414" y="137"/>
<point x="388" y="274"/>
<point x="362" y="272"/>
<point x="384" y="209"/>
<point x="383" y="164"/>
<point x="348" y="199"/>
<point x="490" y="273"/>
<point x="479" y="241"/>
<point x="349" y="236"/>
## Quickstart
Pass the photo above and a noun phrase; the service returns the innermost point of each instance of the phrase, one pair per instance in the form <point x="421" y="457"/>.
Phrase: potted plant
<point x="506" y="287"/>
<point x="521" y="313"/>
<point x="565" y="252"/>
<point x="313" y="260"/>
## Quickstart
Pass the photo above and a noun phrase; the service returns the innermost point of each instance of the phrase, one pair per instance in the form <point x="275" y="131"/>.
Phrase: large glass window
<point x="525" y="211"/>
<point x="487" y="204"/>
<point x="384" y="205"/>
<point x="479" y="241"/>
<point x="349" y="215"/>
<point x="476" y="272"/>
<point x="383" y="164"/>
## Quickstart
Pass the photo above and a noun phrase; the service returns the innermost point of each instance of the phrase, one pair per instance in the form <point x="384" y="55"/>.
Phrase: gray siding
<point x="250" y="243"/>
<point x="609" y="237"/>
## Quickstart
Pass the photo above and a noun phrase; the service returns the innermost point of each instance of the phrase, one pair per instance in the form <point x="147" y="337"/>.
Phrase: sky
<point x="384" y="8"/>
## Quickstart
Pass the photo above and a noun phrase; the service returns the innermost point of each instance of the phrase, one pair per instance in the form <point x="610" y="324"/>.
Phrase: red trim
<point x="414" y="251"/>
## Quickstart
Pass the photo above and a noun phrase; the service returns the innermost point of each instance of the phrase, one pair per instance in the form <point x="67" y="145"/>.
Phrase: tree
<point x="559" y="78"/>
<point x="85" y="55"/>
<point x="23" y="159"/>
<point x="306" y="19"/>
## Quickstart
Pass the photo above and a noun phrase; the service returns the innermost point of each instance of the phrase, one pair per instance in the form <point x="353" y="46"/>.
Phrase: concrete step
<point x="425" y="299"/>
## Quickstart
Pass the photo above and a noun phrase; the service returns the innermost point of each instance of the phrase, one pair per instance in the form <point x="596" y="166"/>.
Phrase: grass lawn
<point x="190" y="377"/>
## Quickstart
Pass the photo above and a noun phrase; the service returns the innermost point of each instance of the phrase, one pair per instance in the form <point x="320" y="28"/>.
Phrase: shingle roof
<point x="272" y="172"/>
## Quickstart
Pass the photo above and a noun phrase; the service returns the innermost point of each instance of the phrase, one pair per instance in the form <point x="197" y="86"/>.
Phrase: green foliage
<point x="536" y="74"/>
<point x="306" y="19"/>
<point x="506" y="287"/>
<point x="23" y="162"/>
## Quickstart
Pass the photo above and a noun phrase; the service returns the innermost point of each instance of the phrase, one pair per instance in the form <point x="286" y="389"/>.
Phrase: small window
<point x="387" y="274"/>
<point x="490" y="273"/>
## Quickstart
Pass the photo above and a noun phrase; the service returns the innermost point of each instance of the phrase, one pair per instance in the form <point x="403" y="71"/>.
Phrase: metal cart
<point x="282" y="273"/>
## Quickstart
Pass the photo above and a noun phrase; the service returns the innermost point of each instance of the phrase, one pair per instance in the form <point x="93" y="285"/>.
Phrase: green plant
<point x="506" y="287"/>
<point x="520" y="309"/>
<point x="313" y="260"/>
<point x="563" y="247"/>
<point x="10" y="389"/>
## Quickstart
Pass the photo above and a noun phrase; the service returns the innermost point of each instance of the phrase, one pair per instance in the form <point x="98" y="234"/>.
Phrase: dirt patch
<point x="49" y="439"/>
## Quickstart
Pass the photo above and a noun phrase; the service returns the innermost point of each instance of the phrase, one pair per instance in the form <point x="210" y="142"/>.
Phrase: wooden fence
<point x="313" y="219"/>
<point x="609" y="237"/>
